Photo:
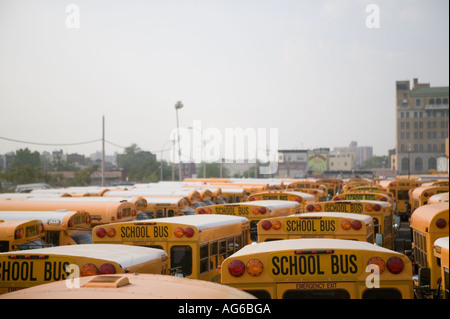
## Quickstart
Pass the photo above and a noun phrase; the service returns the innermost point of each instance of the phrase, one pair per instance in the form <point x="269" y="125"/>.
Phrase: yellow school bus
<point x="428" y="223"/>
<point x="62" y="227"/>
<point x="364" y="196"/>
<point x="317" y="225"/>
<point x="196" y="244"/>
<point x="21" y="234"/>
<point x="381" y="212"/>
<point x="334" y="185"/>
<point x="319" y="268"/>
<point x="254" y="211"/>
<point x="441" y="254"/>
<point x="29" y="268"/>
<point x="133" y="286"/>
<point x="233" y="194"/>
<point x="301" y="198"/>
<point x="102" y="210"/>
<point x="400" y="190"/>
<point x="421" y="195"/>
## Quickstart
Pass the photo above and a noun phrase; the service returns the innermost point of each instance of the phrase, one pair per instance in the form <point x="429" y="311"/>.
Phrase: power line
<point x="50" y="144"/>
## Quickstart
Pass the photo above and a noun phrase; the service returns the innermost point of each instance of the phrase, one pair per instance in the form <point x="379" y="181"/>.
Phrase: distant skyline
<point x="321" y="72"/>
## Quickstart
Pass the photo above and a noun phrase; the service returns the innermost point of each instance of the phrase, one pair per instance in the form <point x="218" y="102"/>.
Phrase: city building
<point x="421" y="126"/>
<point x="292" y="163"/>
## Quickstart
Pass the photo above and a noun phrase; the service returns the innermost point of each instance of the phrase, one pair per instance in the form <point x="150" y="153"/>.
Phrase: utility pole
<point x="103" y="151"/>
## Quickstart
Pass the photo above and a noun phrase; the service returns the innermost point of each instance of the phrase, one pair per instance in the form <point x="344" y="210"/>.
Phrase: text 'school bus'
<point x="438" y="198"/>
<point x="101" y="210"/>
<point x="29" y="268"/>
<point x="400" y="190"/>
<point x="364" y="196"/>
<point x="441" y="254"/>
<point x="62" y="227"/>
<point x="317" y="225"/>
<point x="300" y="197"/>
<point x="196" y="244"/>
<point x="381" y="212"/>
<point x="133" y="286"/>
<point x="319" y="268"/>
<point x="419" y="196"/>
<point x="254" y="211"/>
<point x="21" y="235"/>
<point x="428" y="223"/>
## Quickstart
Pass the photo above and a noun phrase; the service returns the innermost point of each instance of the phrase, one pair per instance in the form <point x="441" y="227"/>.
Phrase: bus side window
<point x="213" y="260"/>
<point x="181" y="256"/>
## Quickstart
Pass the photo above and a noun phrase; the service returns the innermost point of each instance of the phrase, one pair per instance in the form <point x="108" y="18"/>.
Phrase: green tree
<point x="375" y="162"/>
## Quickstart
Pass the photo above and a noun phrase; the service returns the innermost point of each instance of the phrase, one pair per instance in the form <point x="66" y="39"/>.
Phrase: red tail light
<point x="441" y="223"/>
<point x="107" y="269"/>
<point x="236" y="268"/>
<point x="201" y="211"/>
<point x="266" y="225"/>
<point x="377" y="207"/>
<point x="189" y="232"/>
<point x="100" y="232"/>
<point x="395" y="265"/>
<point x="310" y="208"/>
<point x="262" y="210"/>
<point x="356" y="225"/>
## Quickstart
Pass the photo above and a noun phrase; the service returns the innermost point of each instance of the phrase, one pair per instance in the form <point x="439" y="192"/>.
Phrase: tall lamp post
<point x="409" y="160"/>
<point x="178" y="106"/>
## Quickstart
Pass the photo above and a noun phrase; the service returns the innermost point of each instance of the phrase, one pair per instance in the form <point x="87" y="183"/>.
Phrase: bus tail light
<point x="346" y="224"/>
<point x="107" y="269"/>
<point x="395" y="265"/>
<point x="262" y="210"/>
<point x="254" y="267"/>
<point x="88" y="270"/>
<point x="178" y="232"/>
<point x="369" y="207"/>
<point x="266" y="225"/>
<point x="299" y="199"/>
<point x="100" y="232"/>
<point x="208" y="210"/>
<point x="377" y="261"/>
<point x="189" y="232"/>
<point x="236" y="268"/>
<point x="310" y="208"/>
<point x="201" y="211"/>
<point x="376" y="207"/>
<point x="110" y="232"/>
<point x="276" y="224"/>
<point x="441" y="223"/>
<point x="356" y="225"/>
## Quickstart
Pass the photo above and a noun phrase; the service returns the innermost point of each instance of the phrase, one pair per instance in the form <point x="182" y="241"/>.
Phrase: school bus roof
<point x="125" y="255"/>
<point x="442" y="242"/>
<point x="309" y="244"/>
<point x="424" y="215"/>
<point x="131" y="286"/>
<point x="420" y="189"/>
<point x="285" y="192"/>
<point x="198" y="221"/>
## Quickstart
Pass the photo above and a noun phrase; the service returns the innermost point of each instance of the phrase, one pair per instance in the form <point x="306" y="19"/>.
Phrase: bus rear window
<point x="317" y="294"/>
<point x="181" y="256"/>
<point x="382" y="293"/>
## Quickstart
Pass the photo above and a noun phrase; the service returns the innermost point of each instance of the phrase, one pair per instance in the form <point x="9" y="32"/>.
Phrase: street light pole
<point x="409" y="160"/>
<point x="178" y="105"/>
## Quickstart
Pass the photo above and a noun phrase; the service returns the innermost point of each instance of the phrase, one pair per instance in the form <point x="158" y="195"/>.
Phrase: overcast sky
<point x="312" y="69"/>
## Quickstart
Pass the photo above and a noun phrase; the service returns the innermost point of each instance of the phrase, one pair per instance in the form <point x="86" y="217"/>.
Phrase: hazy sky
<point x="312" y="69"/>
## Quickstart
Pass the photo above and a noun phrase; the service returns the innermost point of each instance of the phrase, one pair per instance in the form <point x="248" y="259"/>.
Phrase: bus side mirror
<point x="424" y="277"/>
<point x="379" y="239"/>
